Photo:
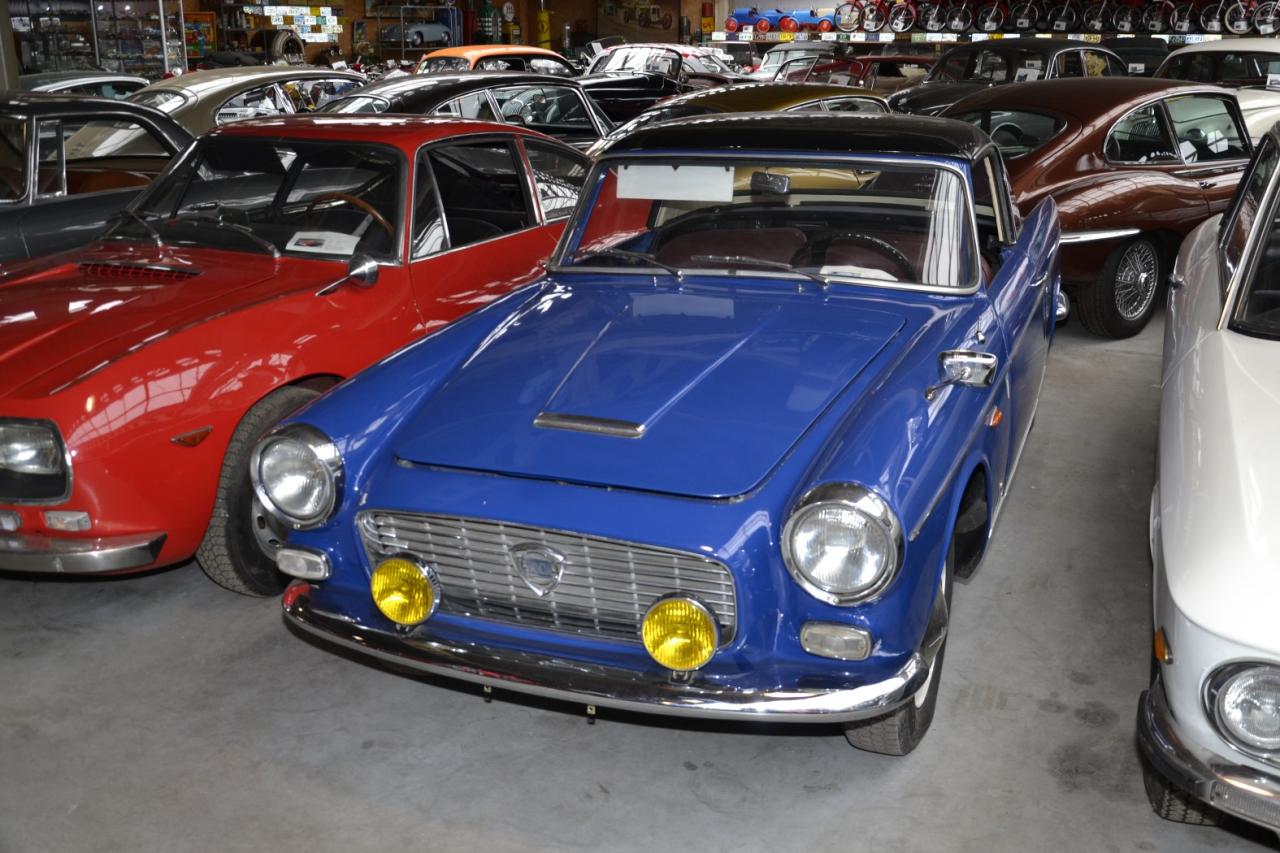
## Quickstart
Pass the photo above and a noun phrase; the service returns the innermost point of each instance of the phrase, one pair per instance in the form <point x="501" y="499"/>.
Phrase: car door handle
<point x="963" y="367"/>
<point x="1204" y="185"/>
<point x="1041" y="279"/>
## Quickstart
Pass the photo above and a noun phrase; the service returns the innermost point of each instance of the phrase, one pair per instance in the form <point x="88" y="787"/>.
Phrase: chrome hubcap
<point x="1136" y="279"/>
<point x="266" y="530"/>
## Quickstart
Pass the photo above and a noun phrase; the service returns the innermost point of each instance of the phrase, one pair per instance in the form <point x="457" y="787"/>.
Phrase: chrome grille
<point x="604" y="590"/>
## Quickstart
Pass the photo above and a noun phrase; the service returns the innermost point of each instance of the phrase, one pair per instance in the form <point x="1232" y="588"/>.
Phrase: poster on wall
<point x="639" y="22"/>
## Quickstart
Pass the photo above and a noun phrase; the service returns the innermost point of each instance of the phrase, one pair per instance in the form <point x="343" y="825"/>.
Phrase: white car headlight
<point x="297" y="475"/>
<point x="1245" y="702"/>
<point x="34" y="465"/>
<point x="842" y="543"/>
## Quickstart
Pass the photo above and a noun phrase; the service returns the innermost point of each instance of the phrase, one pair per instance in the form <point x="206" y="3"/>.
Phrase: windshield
<point x="653" y="60"/>
<point x="165" y="100"/>
<point x="871" y="222"/>
<point x="357" y="104"/>
<point x="1015" y="132"/>
<point x="436" y="64"/>
<point x="994" y="66"/>
<point x="775" y="57"/>
<point x="13" y="159"/>
<point x="299" y="197"/>
<point x="711" y="62"/>
<point x="1230" y="67"/>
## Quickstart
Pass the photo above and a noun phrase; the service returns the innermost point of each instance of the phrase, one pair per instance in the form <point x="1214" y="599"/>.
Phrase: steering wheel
<point x="1015" y="134"/>
<point x="817" y="248"/>
<point x="358" y="203"/>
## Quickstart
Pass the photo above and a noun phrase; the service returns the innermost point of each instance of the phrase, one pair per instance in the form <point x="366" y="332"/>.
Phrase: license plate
<point x="1182" y="26"/>
<point x="1024" y="23"/>
<point x="1213" y="27"/>
<point x="1124" y="26"/>
<point x="1059" y="26"/>
<point x="990" y="25"/>
<point x="1265" y="29"/>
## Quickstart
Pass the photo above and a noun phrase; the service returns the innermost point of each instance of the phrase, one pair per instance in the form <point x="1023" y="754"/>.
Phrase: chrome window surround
<point x="572" y="236"/>
<point x="583" y="161"/>
<point x="317" y="441"/>
<point x="866" y="502"/>
<point x="1249" y="256"/>
<point x="1213" y="686"/>
<point x="1167" y="123"/>
<point x="66" y="462"/>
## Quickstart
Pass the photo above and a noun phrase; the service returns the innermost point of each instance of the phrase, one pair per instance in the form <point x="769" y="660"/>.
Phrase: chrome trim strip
<point x="589" y="424"/>
<point x="581" y="682"/>
<point x="1069" y="237"/>
<point x="1243" y="791"/>
<point x="27" y="552"/>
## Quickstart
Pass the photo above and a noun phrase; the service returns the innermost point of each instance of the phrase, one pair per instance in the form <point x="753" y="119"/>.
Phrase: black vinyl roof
<point x="809" y="132"/>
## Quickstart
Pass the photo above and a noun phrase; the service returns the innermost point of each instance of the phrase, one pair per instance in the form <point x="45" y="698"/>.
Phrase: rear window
<point x="357" y="104"/>
<point x="1016" y="132"/>
<point x="165" y="100"/>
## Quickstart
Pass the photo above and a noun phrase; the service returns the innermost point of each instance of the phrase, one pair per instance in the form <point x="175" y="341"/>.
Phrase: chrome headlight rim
<point x="1214" y="688"/>
<point x="67" y="473"/>
<point x="323" y="448"/>
<point x="860" y="499"/>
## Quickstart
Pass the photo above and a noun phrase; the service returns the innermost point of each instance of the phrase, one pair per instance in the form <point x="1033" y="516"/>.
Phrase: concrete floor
<point x="162" y="713"/>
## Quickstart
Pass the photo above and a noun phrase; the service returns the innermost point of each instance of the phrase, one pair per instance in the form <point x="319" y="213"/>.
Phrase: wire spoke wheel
<point x="902" y="17"/>
<point x="1136" y="279"/>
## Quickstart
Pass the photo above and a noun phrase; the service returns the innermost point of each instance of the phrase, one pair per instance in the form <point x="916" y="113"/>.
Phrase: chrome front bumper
<point x="26" y="552"/>
<point x="1233" y="788"/>
<point x="604" y="686"/>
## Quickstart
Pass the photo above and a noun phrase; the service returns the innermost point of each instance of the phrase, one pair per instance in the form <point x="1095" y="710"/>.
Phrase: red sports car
<point x="273" y="259"/>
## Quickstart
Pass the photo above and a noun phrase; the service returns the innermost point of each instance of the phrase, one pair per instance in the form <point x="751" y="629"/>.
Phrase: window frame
<point x="569" y="150"/>
<point x="1162" y="116"/>
<point x="1233" y="110"/>
<point x="1227" y="276"/>
<point x="55" y="121"/>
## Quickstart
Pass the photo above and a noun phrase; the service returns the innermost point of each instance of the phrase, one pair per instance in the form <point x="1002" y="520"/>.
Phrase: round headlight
<point x="842" y="543"/>
<point x="1248" y="708"/>
<point x="680" y="633"/>
<point x="404" y="590"/>
<point x="297" y="473"/>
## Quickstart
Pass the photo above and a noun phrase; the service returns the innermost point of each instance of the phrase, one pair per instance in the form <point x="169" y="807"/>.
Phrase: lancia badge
<point x="539" y="566"/>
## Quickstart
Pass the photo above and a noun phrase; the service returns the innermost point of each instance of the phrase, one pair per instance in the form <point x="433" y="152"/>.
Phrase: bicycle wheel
<point x="1211" y="18"/>
<point x="1125" y="20"/>
<point x="990" y="17"/>
<point x="1062" y="18"/>
<point x="1154" y="19"/>
<point x="847" y="16"/>
<point x="959" y="17"/>
<point x="902" y="17"/>
<point x="1025" y="16"/>
<point x="933" y="16"/>
<point x="1237" y="19"/>
<point x="1266" y="18"/>
<point x="1095" y="17"/>
<point x="874" y="16"/>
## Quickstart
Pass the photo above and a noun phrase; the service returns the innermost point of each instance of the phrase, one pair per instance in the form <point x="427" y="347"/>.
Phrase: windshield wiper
<point x="822" y="280"/>
<point x="629" y="256"/>
<point x="126" y="213"/>
<point x="220" y="221"/>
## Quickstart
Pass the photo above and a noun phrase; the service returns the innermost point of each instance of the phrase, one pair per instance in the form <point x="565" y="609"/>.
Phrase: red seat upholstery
<point x="767" y="244"/>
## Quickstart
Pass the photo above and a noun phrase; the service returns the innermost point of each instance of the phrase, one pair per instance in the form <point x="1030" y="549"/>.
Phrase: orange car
<point x="495" y="57"/>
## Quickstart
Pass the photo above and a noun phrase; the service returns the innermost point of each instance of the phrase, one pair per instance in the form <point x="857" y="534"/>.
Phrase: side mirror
<point x="964" y="367"/>
<point x="362" y="271"/>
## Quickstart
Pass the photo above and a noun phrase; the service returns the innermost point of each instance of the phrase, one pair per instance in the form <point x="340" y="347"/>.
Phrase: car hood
<point x="720" y="382"/>
<point x="62" y="318"/>
<point x="933" y="98"/>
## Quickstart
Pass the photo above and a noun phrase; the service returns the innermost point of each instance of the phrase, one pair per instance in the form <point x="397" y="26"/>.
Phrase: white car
<point x="1242" y="64"/>
<point x="1210" y="724"/>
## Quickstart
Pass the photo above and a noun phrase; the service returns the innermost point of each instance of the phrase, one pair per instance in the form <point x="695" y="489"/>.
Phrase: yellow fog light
<point x="680" y="633"/>
<point x="405" y="590"/>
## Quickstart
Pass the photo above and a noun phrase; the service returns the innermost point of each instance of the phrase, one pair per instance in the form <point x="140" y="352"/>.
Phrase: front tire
<point x="1122" y="299"/>
<point x="901" y="731"/>
<point x="1174" y="804"/>
<point x="236" y="551"/>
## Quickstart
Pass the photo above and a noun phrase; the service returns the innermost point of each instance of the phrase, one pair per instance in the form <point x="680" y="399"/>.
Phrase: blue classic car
<point x="723" y="460"/>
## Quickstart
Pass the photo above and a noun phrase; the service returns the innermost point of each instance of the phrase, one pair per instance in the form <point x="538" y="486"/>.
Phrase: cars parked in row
<point x="274" y="259"/>
<point x="882" y="75"/>
<point x="201" y="100"/>
<point x="628" y="79"/>
<point x="1244" y="64"/>
<point x="1209" y="726"/>
<point x="68" y="164"/>
<point x="969" y="68"/>
<point x="560" y="497"/>
<point x="495" y="57"/>
<point x="559" y="108"/>
<point x="1134" y="165"/>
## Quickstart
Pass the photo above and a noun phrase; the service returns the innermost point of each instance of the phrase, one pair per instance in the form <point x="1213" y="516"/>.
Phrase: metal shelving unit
<point x="139" y="36"/>
<point x="54" y="35"/>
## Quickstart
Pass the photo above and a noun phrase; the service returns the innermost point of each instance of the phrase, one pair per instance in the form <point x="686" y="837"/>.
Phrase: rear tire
<point x="1122" y="299"/>
<point x="231" y="553"/>
<point x="901" y="731"/>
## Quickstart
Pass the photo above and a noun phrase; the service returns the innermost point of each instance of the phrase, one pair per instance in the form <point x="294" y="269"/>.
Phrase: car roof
<point x="51" y="103"/>
<point x="1044" y="47"/>
<point x="451" y="85"/>
<point x="682" y="49"/>
<point x="404" y="131"/>
<point x="29" y="82"/>
<point x="1084" y="99"/>
<point x="809" y="133"/>
<point x="786" y="46"/>
<point x="479" y="51"/>
<point x="1235" y="45"/>
<point x="199" y="83"/>
<point x="767" y="96"/>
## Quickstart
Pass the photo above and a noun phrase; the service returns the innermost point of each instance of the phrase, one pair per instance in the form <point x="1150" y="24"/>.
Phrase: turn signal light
<point x="1161" y="647"/>
<point x="405" y="591"/>
<point x="680" y="633"/>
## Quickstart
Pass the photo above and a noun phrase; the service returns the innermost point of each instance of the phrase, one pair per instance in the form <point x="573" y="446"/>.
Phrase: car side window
<point x="1140" y="137"/>
<point x="544" y="65"/>
<point x="13" y="158"/>
<point x="558" y="175"/>
<point x="1068" y="64"/>
<point x="1245" y="213"/>
<point x="986" y="203"/>
<point x="428" y="220"/>
<point x="51" y="166"/>
<point x="482" y="190"/>
<point x="501" y="63"/>
<point x="852" y="105"/>
<point x="1096" y="64"/>
<point x="1205" y="129"/>
<point x="262" y="101"/>
<point x="474" y="106"/>
<point x="312" y="94"/>
<point x="553" y="110"/>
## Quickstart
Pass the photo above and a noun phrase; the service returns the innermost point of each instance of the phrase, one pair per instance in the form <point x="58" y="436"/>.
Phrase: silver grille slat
<point x="604" y="591"/>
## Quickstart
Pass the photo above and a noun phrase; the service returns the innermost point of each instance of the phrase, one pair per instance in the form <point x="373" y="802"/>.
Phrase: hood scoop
<point x="138" y="272"/>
